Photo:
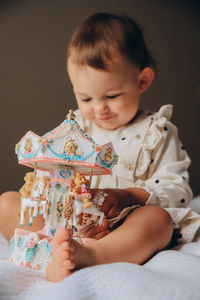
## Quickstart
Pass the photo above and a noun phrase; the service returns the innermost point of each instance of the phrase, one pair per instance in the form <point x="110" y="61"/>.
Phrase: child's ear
<point x="146" y="77"/>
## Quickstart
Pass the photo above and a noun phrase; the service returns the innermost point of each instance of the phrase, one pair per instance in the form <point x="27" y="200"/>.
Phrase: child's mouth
<point x="106" y="118"/>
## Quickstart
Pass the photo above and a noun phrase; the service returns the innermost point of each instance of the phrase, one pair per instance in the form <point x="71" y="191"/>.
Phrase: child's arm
<point x="167" y="176"/>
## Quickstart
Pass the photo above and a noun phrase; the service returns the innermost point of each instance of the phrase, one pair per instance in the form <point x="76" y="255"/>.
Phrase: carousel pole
<point x="35" y="170"/>
<point x="90" y="180"/>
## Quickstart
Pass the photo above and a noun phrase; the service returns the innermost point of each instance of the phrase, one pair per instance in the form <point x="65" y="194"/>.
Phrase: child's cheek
<point x="119" y="106"/>
<point x="85" y="111"/>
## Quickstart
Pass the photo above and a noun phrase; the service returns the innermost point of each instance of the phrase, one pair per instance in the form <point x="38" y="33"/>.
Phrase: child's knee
<point x="162" y="222"/>
<point x="157" y="223"/>
<point x="161" y="215"/>
<point x="9" y="201"/>
<point x="9" y="206"/>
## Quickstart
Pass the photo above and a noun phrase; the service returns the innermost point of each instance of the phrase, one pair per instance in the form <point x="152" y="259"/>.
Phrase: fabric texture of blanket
<point x="171" y="274"/>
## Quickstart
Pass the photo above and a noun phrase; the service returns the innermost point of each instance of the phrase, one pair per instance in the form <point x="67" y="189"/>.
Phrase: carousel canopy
<point x="66" y="147"/>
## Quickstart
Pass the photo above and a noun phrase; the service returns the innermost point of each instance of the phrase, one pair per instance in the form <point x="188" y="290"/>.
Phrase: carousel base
<point x="30" y="249"/>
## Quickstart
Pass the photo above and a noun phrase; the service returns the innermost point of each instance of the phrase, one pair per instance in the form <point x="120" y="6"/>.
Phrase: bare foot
<point x="68" y="256"/>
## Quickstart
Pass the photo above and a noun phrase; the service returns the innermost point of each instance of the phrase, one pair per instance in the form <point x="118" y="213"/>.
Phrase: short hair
<point x="93" y="41"/>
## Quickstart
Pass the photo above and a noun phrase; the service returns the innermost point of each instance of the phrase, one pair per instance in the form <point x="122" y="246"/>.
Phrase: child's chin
<point x="107" y="126"/>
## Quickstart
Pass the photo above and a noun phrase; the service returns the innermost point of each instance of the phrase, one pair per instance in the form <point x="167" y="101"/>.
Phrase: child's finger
<point x="101" y="234"/>
<point x="94" y="192"/>
<point x="106" y="206"/>
<point x="104" y="225"/>
<point x="94" y="230"/>
<point x="113" y="212"/>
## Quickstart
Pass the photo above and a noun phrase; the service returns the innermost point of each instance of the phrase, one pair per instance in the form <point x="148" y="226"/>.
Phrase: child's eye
<point x="112" y="96"/>
<point x="86" y="99"/>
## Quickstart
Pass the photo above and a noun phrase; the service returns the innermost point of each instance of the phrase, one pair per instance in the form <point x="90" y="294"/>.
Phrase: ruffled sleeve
<point x="163" y="162"/>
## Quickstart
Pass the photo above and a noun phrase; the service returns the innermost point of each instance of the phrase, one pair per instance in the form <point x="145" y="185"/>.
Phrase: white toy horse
<point x="80" y="210"/>
<point x="38" y="198"/>
<point x="81" y="216"/>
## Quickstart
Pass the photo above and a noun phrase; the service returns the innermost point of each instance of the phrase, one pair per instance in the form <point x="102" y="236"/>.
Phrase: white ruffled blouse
<point x="152" y="157"/>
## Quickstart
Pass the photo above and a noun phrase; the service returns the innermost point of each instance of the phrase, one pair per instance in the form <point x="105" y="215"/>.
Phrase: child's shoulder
<point x="161" y="120"/>
<point x="165" y="112"/>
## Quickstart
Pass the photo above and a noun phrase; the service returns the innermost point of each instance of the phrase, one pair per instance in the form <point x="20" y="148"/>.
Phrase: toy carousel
<point x="63" y="198"/>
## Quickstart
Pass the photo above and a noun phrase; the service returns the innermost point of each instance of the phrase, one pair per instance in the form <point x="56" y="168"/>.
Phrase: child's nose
<point x="101" y="107"/>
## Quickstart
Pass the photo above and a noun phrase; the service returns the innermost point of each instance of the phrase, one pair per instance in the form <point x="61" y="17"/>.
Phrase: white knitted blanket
<point x="169" y="275"/>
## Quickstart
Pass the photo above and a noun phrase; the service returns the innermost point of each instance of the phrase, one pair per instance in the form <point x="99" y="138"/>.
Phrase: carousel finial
<point x="70" y="115"/>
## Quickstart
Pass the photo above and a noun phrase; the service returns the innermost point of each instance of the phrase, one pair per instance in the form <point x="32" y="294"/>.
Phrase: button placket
<point x="129" y="158"/>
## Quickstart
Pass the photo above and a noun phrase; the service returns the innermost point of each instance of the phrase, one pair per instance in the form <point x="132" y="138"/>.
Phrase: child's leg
<point x="9" y="216"/>
<point x="144" y="232"/>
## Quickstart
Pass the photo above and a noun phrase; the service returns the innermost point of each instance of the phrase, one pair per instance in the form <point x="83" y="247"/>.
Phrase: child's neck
<point x="135" y="117"/>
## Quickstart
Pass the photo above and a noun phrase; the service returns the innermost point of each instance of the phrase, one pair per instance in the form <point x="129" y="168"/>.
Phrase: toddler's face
<point x="111" y="98"/>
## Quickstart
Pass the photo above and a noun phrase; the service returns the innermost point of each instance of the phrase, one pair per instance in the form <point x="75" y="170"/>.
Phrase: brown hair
<point x="93" y="41"/>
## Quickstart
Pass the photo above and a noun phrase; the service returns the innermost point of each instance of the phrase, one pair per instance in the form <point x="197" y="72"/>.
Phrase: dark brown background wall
<point x="36" y="94"/>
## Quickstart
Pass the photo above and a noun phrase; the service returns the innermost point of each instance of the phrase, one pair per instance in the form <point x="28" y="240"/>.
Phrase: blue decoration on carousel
<point x="106" y="164"/>
<point x="47" y="247"/>
<point x="65" y="173"/>
<point x="29" y="155"/>
<point x="30" y="253"/>
<point x="12" y="247"/>
<point x="52" y="232"/>
<point x="71" y="157"/>
<point x="20" y="241"/>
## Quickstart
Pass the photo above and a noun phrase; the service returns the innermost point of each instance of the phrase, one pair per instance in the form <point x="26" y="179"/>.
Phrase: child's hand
<point x="97" y="232"/>
<point x="116" y="200"/>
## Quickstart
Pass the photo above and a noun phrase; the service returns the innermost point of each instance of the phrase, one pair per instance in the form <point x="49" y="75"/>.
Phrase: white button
<point x="130" y="167"/>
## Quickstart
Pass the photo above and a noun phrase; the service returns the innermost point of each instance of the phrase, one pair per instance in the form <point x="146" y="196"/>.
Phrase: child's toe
<point x="65" y="246"/>
<point x="69" y="264"/>
<point x="61" y="235"/>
